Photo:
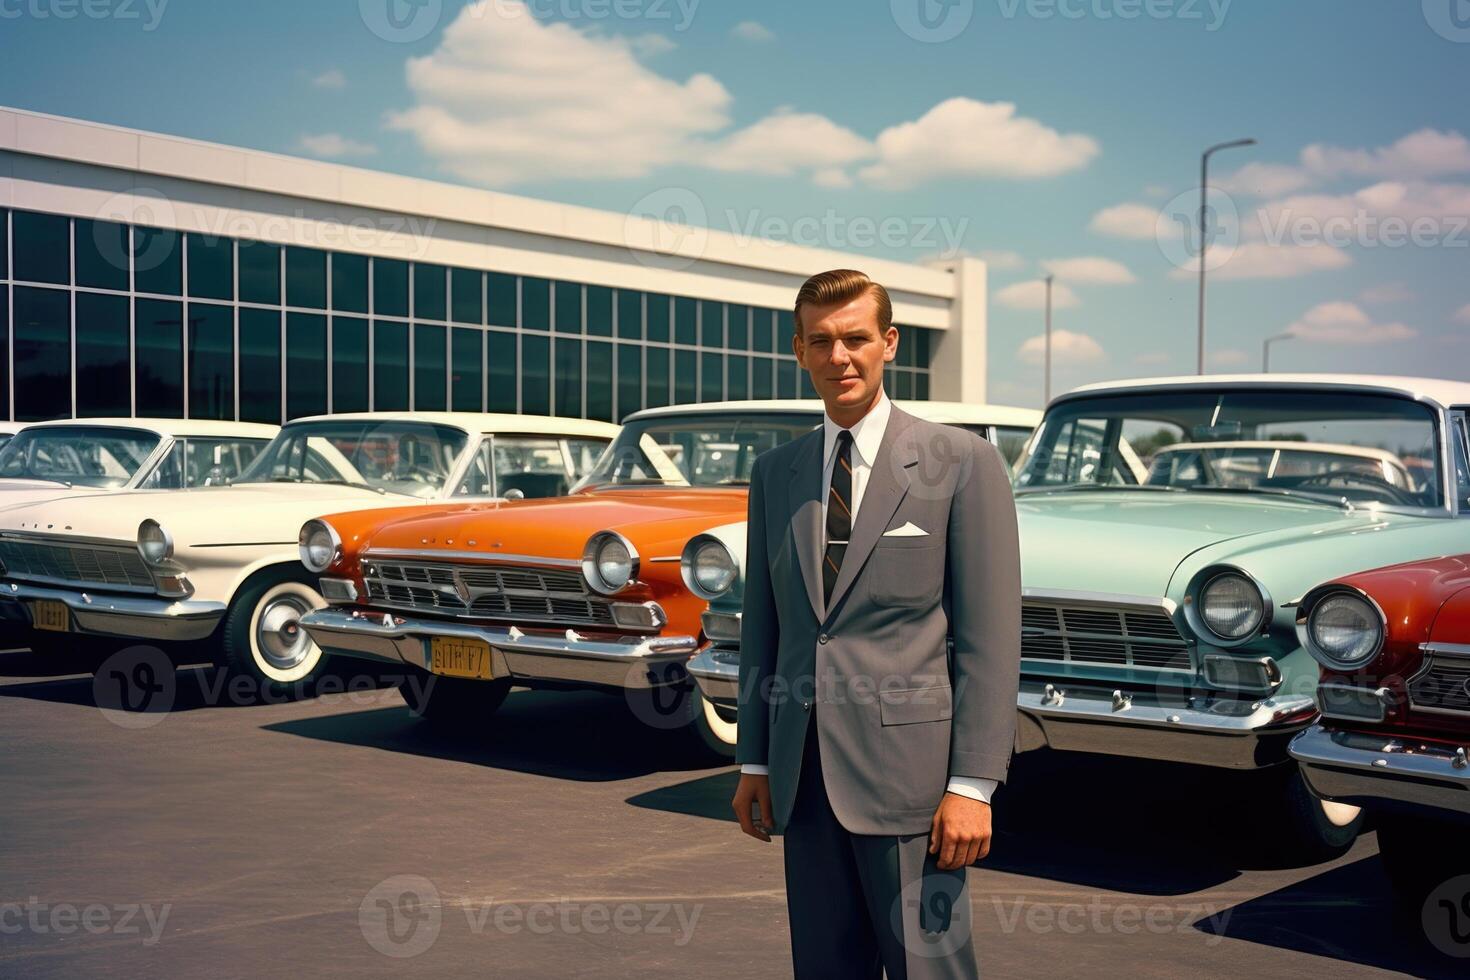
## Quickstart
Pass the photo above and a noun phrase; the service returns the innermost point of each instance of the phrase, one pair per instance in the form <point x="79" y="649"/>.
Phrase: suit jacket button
<point x="806" y="706"/>
<point x="823" y="638"/>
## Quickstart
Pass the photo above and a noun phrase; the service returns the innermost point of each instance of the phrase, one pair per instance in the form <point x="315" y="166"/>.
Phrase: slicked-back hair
<point x="843" y="286"/>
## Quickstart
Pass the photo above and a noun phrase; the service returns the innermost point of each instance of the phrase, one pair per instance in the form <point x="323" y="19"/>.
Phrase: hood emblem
<point x="462" y="590"/>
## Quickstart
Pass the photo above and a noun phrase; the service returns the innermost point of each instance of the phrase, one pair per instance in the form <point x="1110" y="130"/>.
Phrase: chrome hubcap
<point x="279" y="635"/>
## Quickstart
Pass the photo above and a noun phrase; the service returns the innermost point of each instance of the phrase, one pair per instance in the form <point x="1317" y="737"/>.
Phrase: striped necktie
<point x="839" y="513"/>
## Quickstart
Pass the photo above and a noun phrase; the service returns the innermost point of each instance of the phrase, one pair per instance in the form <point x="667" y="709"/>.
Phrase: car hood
<point x="558" y="527"/>
<point x="253" y="512"/>
<point x="16" y="492"/>
<point x="1149" y="543"/>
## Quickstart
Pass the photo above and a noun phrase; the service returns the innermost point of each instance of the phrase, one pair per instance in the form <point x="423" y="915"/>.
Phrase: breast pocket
<point x="906" y="571"/>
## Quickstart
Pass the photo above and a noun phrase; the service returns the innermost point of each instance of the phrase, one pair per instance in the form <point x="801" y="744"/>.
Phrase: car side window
<point x="1460" y="451"/>
<point x="477" y="480"/>
<point x="584" y="454"/>
<point x="169" y="473"/>
<point x="534" y="465"/>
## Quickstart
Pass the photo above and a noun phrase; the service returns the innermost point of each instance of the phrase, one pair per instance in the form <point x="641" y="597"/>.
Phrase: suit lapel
<point x="888" y="481"/>
<point x="804" y="494"/>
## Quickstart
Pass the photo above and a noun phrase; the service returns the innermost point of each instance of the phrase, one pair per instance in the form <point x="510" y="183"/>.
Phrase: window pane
<point x="786" y="371"/>
<point x="658" y="378"/>
<point x="211" y="267"/>
<point x="685" y="329"/>
<point x="42" y="249"/>
<point x="465" y="290"/>
<point x="921" y="387"/>
<point x="658" y="317"/>
<point x="535" y="375"/>
<point x="905" y="384"/>
<point x="211" y="361"/>
<point x="390" y="287"/>
<point x="306" y="364"/>
<point x="5" y="246"/>
<point x="260" y="279"/>
<point x="102" y="254"/>
<point x="535" y="304"/>
<point x="390" y="366"/>
<point x="785" y="330"/>
<point x="908" y="346"/>
<point x="569" y="378"/>
<point x="568" y="307"/>
<point x="349" y="283"/>
<point x="712" y="324"/>
<point x="306" y="280"/>
<point x="712" y="377"/>
<point x="4" y="348"/>
<point x="349" y="363"/>
<point x="260" y="364"/>
<point x="429" y="377"/>
<point x="760" y="330"/>
<point x="599" y="381"/>
<point x="762" y="377"/>
<point x="468" y="370"/>
<point x="502" y="299"/>
<point x="923" y="346"/>
<point x="158" y="327"/>
<point x="630" y="379"/>
<point x="735" y="375"/>
<point x="42" y="323"/>
<point x="599" y="311"/>
<point x="428" y="292"/>
<point x="501" y="390"/>
<point x="534" y="466"/>
<point x="738" y="326"/>
<point x="686" y="388"/>
<point x="102" y="356"/>
<point x="158" y="261"/>
<point x="804" y="382"/>
<point x="630" y="314"/>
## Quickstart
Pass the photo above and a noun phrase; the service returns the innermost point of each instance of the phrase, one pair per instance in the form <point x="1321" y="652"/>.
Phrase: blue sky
<point x="1039" y="133"/>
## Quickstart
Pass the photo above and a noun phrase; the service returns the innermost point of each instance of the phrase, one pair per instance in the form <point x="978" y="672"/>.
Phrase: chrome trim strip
<point x="717" y="672"/>
<point x="1456" y="650"/>
<point x="470" y="556"/>
<point x="1357" y="766"/>
<point x="1148" y="602"/>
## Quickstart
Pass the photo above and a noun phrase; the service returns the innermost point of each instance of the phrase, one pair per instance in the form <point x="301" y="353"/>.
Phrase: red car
<point x="1394" y="645"/>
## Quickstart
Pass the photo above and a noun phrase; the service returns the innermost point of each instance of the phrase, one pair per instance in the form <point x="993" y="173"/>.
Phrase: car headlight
<point x="1344" y="631"/>
<point x="609" y="562"/>
<point x="1231" y="606"/>
<point x="154" y="543"/>
<point x="708" y="568"/>
<point x="319" y="545"/>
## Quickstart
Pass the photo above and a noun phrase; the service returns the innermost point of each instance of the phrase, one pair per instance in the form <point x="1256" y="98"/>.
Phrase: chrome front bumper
<point x="1356" y="768"/>
<point x="625" y="662"/>
<point x="96" y="614"/>
<point x="717" y="672"/>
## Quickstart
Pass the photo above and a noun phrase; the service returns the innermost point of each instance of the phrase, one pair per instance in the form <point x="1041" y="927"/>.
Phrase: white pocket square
<point x="909" y="530"/>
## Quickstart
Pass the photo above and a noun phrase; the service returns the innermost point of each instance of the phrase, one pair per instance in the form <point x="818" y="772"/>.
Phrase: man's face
<point x="843" y="350"/>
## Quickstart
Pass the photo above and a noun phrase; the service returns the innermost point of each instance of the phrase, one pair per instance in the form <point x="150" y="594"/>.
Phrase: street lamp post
<point x="1046" y="371"/>
<point x="1204" y="240"/>
<point x="1266" y="350"/>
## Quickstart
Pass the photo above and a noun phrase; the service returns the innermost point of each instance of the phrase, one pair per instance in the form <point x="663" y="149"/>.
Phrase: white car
<point x="8" y="431"/>
<point x="43" y="460"/>
<point x="222" y="563"/>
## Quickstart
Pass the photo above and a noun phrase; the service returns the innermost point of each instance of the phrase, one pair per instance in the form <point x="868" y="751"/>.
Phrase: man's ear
<point x="890" y="343"/>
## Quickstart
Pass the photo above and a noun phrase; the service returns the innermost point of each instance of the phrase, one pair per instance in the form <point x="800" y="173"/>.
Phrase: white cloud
<point x="832" y="177"/>
<point x="1128" y="220"/>
<point x="1090" y="269"/>
<point x="1264" y="180"/>
<point x="1067" y="347"/>
<point x="1341" y="322"/>
<point x="1420" y="155"/>
<point x="749" y="30"/>
<point x="1227" y="357"/>
<point x="787" y="141"/>
<point x="1031" y="295"/>
<point x="334" y="145"/>
<point x="651" y="45"/>
<point x="1362" y="217"/>
<point x="1388" y="292"/>
<point x="1462" y="315"/>
<point x="963" y="137"/>
<point x="1260" y="260"/>
<point x="331" y="78"/>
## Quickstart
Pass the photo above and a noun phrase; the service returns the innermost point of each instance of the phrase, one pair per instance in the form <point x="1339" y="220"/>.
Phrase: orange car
<point x="585" y="590"/>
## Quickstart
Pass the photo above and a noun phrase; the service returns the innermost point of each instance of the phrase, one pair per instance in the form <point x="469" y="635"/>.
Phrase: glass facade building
<point x="111" y="319"/>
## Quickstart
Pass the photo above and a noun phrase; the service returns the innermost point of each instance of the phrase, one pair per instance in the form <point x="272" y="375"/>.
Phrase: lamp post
<point x="1266" y="350"/>
<point x="1204" y="239"/>
<point x="1046" y="371"/>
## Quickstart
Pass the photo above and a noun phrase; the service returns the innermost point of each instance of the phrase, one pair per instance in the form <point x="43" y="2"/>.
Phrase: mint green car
<point x="1168" y="529"/>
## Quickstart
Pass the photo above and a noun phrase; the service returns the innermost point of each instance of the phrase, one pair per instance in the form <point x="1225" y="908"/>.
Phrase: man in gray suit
<point x="879" y="657"/>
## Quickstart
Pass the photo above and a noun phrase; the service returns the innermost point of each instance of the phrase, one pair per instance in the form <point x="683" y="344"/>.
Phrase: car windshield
<point x="87" y="456"/>
<point x="1332" y="446"/>
<point x="411" y="458"/>
<point x="698" y="449"/>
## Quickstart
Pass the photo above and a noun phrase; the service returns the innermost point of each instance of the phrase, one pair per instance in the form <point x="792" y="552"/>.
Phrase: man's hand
<point x="960" y="832"/>
<point x="757" y="789"/>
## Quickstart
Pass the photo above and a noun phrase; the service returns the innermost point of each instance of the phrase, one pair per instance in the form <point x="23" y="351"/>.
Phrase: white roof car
<point x="1439" y="390"/>
<point x="86" y="456"/>
<point x="223" y="561"/>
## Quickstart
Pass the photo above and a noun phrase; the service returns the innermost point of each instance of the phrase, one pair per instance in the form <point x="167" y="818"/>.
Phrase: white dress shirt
<point x="867" y="435"/>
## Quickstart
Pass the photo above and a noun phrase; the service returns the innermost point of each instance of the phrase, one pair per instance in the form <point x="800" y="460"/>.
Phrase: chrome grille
<point x="82" y="565"/>
<point x="523" y="594"/>
<point x="1443" y="685"/>
<point x="1116" y="637"/>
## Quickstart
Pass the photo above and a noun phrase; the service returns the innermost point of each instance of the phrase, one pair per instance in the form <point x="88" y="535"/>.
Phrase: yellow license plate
<point x="48" y="614"/>
<point x="455" y="657"/>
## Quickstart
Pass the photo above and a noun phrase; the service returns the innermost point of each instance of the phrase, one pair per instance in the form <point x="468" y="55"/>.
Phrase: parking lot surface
<point x="338" y="835"/>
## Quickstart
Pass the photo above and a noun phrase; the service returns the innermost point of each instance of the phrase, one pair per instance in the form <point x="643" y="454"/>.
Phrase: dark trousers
<point x="861" y="905"/>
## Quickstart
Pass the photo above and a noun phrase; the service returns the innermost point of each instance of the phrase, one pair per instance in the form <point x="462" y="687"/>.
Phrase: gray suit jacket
<point x="896" y="710"/>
